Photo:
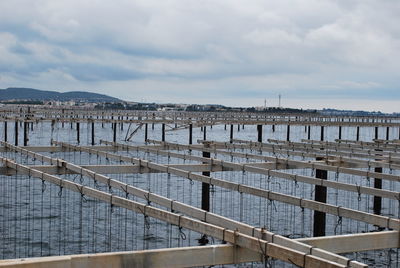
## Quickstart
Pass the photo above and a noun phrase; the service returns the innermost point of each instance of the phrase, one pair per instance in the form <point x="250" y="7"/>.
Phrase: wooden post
<point x="92" y="132"/>
<point x="231" y="136"/>
<point x="16" y="132"/>
<point x="146" y="130"/>
<point x="204" y="133"/>
<point x="322" y="133"/>
<point x="387" y="133"/>
<point x="273" y="128"/>
<point x="26" y="126"/>
<point x="163" y="132"/>
<point x="5" y="131"/>
<point x="115" y="132"/>
<point x="190" y="133"/>
<point x="288" y="133"/>
<point x="320" y="196"/>
<point x="358" y="134"/>
<point x="309" y="132"/>
<point x="238" y="127"/>
<point x="377" y="185"/>
<point x="340" y="132"/>
<point x="205" y="194"/>
<point x="225" y="127"/>
<point x="259" y="132"/>
<point x="205" y="187"/>
<point x="376" y="133"/>
<point x="377" y="199"/>
<point x="77" y="132"/>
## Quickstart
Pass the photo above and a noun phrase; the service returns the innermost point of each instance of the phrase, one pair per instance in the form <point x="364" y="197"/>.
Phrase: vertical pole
<point x="238" y="127"/>
<point x="231" y="136"/>
<point x="205" y="194"/>
<point x="190" y="133"/>
<point x="309" y="132"/>
<point x="340" y="132"/>
<point x="5" y="131"/>
<point x="320" y="196"/>
<point x="26" y="126"/>
<point x="273" y="128"/>
<point x="77" y="132"/>
<point x="259" y="132"/>
<point x="387" y="133"/>
<point x="288" y="133"/>
<point x="377" y="182"/>
<point x="204" y="133"/>
<point x="115" y="132"/>
<point x="16" y="132"/>
<point x="377" y="199"/>
<point x="163" y="132"/>
<point x="205" y="187"/>
<point x="322" y="133"/>
<point x="146" y="130"/>
<point x="358" y="134"/>
<point x="93" y="132"/>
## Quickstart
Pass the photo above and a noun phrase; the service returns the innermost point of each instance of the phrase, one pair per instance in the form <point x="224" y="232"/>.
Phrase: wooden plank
<point x="355" y="242"/>
<point x="171" y="257"/>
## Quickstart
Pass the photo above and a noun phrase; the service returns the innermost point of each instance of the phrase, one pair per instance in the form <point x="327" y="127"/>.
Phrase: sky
<point x="342" y="54"/>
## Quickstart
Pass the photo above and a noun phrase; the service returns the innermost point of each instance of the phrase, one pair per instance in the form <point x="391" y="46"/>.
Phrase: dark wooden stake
<point x="231" y="136"/>
<point x="259" y="133"/>
<point x="16" y="133"/>
<point x="114" y="132"/>
<point x="146" y="130"/>
<point x="26" y="127"/>
<point x="92" y="132"/>
<point x="320" y="196"/>
<point x="163" y="132"/>
<point x="322" y="133"/>
<point x="288" y="133"/>
<point x="387" y="133"/>
<point x="5" y="131"/>
<point x="78" y="139"/>
<point x="190" y="133"/>
<point x="358" y="134"/>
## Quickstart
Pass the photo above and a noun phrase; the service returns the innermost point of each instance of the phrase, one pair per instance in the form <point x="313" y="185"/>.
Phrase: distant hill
<point x="13" y="93"/>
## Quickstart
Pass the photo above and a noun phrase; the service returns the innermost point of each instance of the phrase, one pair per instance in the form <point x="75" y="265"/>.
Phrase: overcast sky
<point x="340" y="54"/>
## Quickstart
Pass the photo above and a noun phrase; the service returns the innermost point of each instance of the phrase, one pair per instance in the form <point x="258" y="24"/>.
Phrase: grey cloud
<point x="301" y="48"/>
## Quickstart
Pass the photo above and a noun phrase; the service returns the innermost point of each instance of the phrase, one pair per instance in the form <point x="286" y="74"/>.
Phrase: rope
<point x="80" y="189"/>
<point x="339" y="222"/>
<point x="146" y="220"/>
<point x="181" y="233"/>
<point x="125" y="190"/>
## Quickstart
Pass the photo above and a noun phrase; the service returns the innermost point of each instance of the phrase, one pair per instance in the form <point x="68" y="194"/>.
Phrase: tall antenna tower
<point x="279" y="101"/>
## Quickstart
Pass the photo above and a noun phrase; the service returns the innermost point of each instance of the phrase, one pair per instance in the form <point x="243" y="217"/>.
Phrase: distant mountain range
<point x="13" y="93"/>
